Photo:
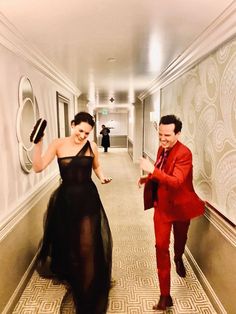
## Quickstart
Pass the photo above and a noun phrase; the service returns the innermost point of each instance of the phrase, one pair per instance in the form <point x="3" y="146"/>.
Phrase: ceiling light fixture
<point x="111" y="59"/>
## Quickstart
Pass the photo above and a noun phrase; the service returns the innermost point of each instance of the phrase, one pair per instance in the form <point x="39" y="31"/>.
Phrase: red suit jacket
<point x="176" y="198"/>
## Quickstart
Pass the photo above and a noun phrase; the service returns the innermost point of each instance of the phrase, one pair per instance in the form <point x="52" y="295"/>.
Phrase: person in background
<point x="77" y="241"/>
<point x="105" y="137"/>
<point x="169" y="189"/>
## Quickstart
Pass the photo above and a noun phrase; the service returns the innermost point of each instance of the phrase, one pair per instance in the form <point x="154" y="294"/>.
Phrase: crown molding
<point x="14" y="41"/>
<point x="219" y="31"/>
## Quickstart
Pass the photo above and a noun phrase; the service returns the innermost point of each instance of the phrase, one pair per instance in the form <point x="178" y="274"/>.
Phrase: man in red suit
<point x="169" y="189"/>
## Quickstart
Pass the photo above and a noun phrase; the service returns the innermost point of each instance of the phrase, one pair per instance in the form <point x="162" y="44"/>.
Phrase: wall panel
<point x="205" y="100"/>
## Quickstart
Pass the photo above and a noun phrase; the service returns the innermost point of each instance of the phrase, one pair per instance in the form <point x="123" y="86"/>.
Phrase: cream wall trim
<point x="221" y="225"/>
<point x="25" y="205"/>
<point x="20" y="288"/>
<point x="205" y="284"/>
<point x="11" y="38"/>
<point x="221" y="30"/>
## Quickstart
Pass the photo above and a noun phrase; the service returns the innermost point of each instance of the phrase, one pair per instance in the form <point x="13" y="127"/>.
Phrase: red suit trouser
<point x="162" y="235"/>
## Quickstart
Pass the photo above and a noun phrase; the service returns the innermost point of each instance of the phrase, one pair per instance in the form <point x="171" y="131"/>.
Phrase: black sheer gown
<point x="77" y="242"/>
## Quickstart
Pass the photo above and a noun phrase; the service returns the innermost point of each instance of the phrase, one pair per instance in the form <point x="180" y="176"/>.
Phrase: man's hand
<point x="146" y="165"/>
<point x="142" y="180"/>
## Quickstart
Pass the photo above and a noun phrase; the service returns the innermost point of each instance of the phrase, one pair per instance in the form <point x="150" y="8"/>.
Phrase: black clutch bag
<point x="38" y="131"/>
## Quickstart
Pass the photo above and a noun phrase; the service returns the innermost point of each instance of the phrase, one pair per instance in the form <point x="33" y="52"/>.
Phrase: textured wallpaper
<point x="205" y="100"/>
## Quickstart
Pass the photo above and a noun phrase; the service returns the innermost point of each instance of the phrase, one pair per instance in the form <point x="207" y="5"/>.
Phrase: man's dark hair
<point x="171" y="118"/>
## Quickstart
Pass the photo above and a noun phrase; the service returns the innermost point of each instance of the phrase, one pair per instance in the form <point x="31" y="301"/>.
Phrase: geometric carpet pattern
<point x="135" y="290"/>
<point x="40" y="296"/>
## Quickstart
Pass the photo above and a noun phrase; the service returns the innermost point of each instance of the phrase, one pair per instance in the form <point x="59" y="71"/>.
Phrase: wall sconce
<point x="154" y="117"/>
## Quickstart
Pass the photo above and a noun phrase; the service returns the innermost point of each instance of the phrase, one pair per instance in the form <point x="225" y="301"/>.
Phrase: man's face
<point x="167" y="136"/>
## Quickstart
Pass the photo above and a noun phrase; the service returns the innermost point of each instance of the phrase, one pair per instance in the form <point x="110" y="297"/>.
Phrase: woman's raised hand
<point x="106" y="180"/>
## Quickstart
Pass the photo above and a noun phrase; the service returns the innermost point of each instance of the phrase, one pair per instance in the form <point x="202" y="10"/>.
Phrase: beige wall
<point x="215" y="255"/>
<point x="118" y="122"/>
<point x="150" y="138"/>
<point x="137" y="148"/>
<point x="16" y="186"/>
<point x="23" y="196"/>
<point x="18" y="249"/>
<point x="204" y="98"/>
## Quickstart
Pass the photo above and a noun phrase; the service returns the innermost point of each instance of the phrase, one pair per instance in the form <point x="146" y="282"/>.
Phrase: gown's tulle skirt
<point x="77" y="246"/>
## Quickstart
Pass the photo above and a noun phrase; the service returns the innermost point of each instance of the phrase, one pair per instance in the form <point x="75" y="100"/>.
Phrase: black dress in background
<point x="77" y="242"/>
<point x="105" y="138"/>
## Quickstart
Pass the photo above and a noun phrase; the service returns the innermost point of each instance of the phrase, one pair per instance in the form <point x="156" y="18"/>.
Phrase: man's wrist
<point x="152" y="169"/>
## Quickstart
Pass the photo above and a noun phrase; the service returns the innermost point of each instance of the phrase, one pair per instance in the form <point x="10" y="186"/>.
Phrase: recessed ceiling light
<point x="111" y="59"/>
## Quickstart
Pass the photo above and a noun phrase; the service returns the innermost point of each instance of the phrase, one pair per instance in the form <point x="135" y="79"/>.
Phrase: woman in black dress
<point x="77" y="242"/>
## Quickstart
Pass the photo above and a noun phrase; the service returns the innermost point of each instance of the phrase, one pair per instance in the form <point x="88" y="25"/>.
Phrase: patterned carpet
<point x="136" y="288"/>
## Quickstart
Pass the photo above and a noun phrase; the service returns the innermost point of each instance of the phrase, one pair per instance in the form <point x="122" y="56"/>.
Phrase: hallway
<point x="134" y="267"/>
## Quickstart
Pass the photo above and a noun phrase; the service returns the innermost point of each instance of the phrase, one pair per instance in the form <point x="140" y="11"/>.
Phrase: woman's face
<point x="81" y="131"/>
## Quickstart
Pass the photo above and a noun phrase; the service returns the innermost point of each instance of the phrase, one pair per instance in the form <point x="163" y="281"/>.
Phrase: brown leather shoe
<point x="164" y="302"/>
<point x="180" y="269"/>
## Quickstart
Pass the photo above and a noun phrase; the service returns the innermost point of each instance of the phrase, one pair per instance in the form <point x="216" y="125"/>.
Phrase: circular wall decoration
<point x="27" y="115"/>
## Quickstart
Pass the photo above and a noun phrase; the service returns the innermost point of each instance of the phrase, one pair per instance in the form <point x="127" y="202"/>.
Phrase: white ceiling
<point x="111" y="48"/>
